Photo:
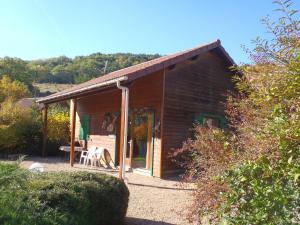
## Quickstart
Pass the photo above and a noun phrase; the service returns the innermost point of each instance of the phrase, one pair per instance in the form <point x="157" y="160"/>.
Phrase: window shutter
<point x="222" y="122"/>
<point x="199" y="119"/>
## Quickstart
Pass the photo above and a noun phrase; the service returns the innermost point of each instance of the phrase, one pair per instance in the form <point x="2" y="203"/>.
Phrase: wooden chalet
<point x="153" y="105"/>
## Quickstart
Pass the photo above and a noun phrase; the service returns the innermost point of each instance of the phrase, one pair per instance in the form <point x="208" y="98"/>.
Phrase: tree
<point x="16" y="69"/>
<point x="12" y="90"/>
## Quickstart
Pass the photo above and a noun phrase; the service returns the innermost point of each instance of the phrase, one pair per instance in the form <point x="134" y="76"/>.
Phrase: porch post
<point x="73" y="126"/>
<point x="124" y="128"/>
<point x="162" y="125"/>
<point x="45" y="130"/>
<point x="122" y="135"/>
<point x="149" y="141"/>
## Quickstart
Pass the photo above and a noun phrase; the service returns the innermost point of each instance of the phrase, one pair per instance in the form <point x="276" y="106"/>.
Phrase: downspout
<point x="125" y="90"/>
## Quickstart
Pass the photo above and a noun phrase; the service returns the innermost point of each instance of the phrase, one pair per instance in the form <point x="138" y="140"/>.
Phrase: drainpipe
<point x="125" y="90"/>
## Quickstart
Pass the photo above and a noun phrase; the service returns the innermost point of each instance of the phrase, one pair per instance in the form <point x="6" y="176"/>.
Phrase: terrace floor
<point x="152" y="201"/>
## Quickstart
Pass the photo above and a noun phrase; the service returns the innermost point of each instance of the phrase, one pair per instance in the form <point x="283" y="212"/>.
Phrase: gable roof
<point x="135" y="72"/>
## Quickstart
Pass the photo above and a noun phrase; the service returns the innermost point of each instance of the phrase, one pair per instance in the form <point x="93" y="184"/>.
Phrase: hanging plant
<point x="140" y="132"/>
<point x="109" y="121"/>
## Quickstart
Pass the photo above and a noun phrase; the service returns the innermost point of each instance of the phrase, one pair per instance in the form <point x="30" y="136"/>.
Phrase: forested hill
<point x="64" y="70"/>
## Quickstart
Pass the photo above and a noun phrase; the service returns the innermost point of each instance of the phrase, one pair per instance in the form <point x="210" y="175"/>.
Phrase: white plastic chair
<point x="83" y="157"/>
<point x="87" y="156"/>
<point x="97" y="156"/>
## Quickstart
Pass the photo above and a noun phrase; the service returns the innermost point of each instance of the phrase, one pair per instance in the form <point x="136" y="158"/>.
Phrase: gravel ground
<point x="152" y="201"/>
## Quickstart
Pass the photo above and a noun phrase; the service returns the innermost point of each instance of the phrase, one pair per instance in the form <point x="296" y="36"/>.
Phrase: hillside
<point x="45" y="89"/>
<point x="64" y="70"/>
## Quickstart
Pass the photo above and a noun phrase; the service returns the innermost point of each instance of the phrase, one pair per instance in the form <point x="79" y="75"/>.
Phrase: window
<point x="211" y="120"/>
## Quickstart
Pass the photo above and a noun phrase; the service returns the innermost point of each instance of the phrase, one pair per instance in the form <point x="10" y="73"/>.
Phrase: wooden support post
<point x="73" y="126"/>
<point x="45" y="130"/>
<point x="122" y="134"/>
<point x="162" y="124"/>
<point x="149" y="141"/>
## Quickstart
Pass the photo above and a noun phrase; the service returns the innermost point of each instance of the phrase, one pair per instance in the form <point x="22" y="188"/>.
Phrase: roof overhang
<point x="71" y="94"/>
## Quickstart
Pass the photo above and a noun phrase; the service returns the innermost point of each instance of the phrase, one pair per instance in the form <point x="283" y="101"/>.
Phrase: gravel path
<point x="152" y="201"/>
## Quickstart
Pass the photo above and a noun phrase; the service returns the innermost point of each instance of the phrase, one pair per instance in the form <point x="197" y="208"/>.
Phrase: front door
<point x="141" y="138"/>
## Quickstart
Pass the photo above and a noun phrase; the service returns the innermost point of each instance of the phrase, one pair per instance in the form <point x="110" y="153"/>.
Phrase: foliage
<point x="251" y="174"/>
<point x="60" y="198"/>
<point x="205" y="157"/>
<point x="266" y="189"/>
<point x="16" y="69"/>
<point x="12" y="90"/>
<point x="10" y="112"/>
<point x="66" y="70"/>
<point x="59" y="124"/>
<point x="263" y="193"/>
<point x="19" y="129"/>
<point x="58" y="131"/>
<point x="209" y="148"/>
<point x="23" y="134"/>
<point x="10" y="93"/>
<point x="140" y="132"/>
<point x="22" y="131"/>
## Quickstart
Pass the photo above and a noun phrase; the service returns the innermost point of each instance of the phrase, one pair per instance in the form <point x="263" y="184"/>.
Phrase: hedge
<point x="62" y="198"/>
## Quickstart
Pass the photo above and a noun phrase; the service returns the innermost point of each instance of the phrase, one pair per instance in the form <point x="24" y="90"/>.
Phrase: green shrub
<point x="58" y="128"/>
<point x="23" y="131"/>
<point x="24" y="135"/>
<point x="60" y="198"/>
<point x="262" y="193"/>
<point x="252" y="174"/>
<point x="59" y="124"/>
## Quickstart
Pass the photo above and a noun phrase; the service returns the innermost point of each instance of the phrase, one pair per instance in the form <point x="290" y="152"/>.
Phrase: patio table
<point x="77" y="151"/>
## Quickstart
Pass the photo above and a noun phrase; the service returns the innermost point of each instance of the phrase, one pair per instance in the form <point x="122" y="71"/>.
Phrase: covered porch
<point x="122" y="116"/>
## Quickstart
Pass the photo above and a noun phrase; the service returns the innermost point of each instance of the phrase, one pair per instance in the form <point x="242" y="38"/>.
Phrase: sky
<point x="36" y="29"/>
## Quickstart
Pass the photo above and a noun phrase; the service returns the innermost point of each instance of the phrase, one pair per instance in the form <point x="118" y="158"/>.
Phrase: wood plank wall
<point x="194" y="86"/>
<point x="144" y="92"/>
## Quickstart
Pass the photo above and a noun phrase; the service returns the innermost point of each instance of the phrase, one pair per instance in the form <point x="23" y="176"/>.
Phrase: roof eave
<point x="69" y="95"/>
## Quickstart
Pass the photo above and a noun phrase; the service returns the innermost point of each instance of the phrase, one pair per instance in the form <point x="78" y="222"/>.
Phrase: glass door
<point x="141" y="132"/>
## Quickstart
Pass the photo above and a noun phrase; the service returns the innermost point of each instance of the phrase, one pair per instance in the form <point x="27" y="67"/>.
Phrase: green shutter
<point x="199" y="119"/>
<point x="222" y="122"/>
<point x="84" y="127"/>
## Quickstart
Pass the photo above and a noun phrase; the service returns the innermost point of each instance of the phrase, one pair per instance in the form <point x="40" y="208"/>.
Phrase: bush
<point x="262" y="193"/>
<point x="23" y="135"/>
<point x="58" y="128"/>
<point x="59" y="124"/>
<point x="20" y="129"/>
<point x="60" y="198"/>
<point x="251" y="175"/>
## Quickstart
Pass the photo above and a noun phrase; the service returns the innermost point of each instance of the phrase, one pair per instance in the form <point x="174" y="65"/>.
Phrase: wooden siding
<point x="194" y="86"/>
<point x="144" y="92"/>
<point x="179" y="93"/>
